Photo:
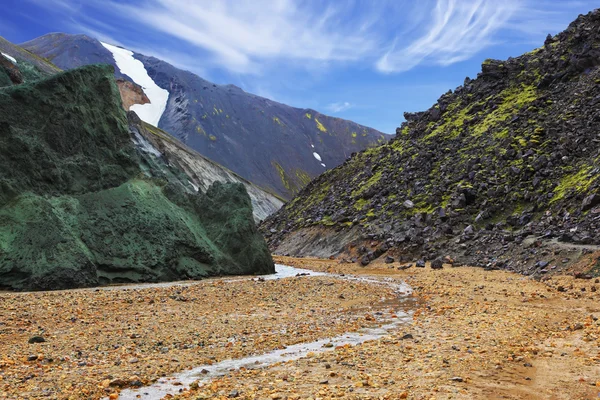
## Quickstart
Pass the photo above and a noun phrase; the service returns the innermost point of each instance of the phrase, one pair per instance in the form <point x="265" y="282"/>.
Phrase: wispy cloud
<point x="244" y="34"/>
<point x="338" y="107"/>
<point x="253" y="37"/>
<point x="458" y="30"/>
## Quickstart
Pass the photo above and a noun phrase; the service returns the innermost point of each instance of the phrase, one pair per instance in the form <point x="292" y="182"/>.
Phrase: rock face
<point x="81" y="205"/>
<point x="201" y="171"/>
<point x="131" y="93"/>
<point x="513" y="153"/>
<point x="272" y="145"/>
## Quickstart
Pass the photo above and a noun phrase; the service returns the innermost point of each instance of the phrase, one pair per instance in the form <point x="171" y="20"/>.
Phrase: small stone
<point x="407" y="336"/>
<point x="32" y="358"/>
<point x="469" y="230"/>
<point x="389" y="260"/>
<point x="420" y="264"/>
<point x="233" y="394"/>
<point x="133" y="360"/>
<point x="36" y="339"/>
<point x="437" y="264"/>
<point x="457" y="379"/>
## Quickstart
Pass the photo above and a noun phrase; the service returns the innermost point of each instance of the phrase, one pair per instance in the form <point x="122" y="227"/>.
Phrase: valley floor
<point x="475" y="335"/>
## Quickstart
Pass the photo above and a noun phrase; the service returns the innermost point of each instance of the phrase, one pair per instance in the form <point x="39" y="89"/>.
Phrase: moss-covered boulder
<point x="80" y="205"/>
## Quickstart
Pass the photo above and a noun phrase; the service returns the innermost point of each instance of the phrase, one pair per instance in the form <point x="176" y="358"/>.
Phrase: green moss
<point x="303" y="177"/>
<point x="282" y="175"/>
<point x="360" y="204"/>
<point x="502" y="134"/>
<point x="308" y="115"/>
<point x="320" y="126"/>
<point x="510" y="101"/>
<point x="212" y="138"/>
<point x="577" y="182"/>
<point x="368" y="184"/>
<point x="354" y="134"/>
<point x="327" y="221"/>
<point x="277" y="121"/>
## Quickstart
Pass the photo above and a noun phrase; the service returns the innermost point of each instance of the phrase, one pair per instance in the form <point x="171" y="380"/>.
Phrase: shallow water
<point x="204" y="373"/>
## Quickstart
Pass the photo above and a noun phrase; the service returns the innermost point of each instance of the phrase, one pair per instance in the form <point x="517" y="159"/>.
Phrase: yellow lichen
<point x="320" y="126"/>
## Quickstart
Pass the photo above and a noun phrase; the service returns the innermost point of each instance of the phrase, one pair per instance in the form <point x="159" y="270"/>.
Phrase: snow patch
<point x="317" y="156"/>
<point x="196" y="188"/>
<point x="324" y="166"/>
<point x="144" y="145"/>
<point x="12" y="59"/>
<point x="135" y="69"/>
<point x="312" y="145"/>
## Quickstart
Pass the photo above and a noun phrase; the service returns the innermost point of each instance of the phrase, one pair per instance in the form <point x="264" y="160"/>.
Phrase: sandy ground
<point x="98" y="341"/>
<point x="479" y="335"/>
<point x="476" y="335"/>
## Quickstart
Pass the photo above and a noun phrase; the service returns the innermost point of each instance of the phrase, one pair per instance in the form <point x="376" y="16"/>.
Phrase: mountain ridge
<point x="267" y="142"/>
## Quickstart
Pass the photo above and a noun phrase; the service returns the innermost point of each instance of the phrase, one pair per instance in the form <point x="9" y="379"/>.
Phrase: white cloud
<point x="244" y="34"/>
<point x="257" y="36"/>
<point x="458" y="30"/>
<point x="339" y="107"/>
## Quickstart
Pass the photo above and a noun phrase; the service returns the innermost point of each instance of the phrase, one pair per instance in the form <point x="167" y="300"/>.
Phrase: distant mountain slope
<point x="16" y="62"/>
<point x="513" y="153"/>
<point x="203" y="172"/>
<point x="35" y="67"/>
<point x="268" y="143"/>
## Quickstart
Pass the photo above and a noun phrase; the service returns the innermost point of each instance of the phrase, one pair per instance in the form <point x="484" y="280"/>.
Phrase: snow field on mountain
<point x="12" y="59"/>
<point x="152" y="112"/>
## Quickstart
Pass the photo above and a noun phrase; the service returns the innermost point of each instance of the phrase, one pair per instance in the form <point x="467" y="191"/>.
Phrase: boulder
<point x="92" y="208"/>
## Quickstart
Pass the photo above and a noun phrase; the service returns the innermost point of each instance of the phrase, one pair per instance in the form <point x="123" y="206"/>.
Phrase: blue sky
<point x="364" y="60"/>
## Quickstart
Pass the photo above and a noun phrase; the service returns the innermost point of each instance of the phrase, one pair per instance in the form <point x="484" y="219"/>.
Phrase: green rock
<point x="81" y="206"/>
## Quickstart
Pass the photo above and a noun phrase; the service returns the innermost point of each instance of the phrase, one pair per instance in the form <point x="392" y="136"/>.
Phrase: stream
<point x="204" y="373"/>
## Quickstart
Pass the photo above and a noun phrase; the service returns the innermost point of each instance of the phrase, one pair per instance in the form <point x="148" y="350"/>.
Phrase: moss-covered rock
<point x="80" y="205"/>
<point x="512" y="153"/>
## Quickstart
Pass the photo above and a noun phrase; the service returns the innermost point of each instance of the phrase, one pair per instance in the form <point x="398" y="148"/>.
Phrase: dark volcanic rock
<point x="590" y="201"/>
<point x="437" y="264"/>
<point x="80" y="205"/>
<point x="511" y="154"/>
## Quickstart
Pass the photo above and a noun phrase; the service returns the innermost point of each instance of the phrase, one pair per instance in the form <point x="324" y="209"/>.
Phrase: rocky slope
<point x="508" y="159"/>
<point x="201" y="171"/>
<point x="82" y="205"/>
<point x="275" y="146"/>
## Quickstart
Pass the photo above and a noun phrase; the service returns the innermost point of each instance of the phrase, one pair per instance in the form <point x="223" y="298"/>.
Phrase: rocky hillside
<point x="84" y="202"/>
<point x="275" y="146"/>
<point x="510" y="157"/>
<point x="201" y="171"/>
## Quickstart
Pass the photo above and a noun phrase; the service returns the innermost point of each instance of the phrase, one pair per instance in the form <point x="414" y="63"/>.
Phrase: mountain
<point x="497" y="167"/>
<point x="86" y="200"/>
<point x="202" y="171"/>
<point x="275" y="146"/>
